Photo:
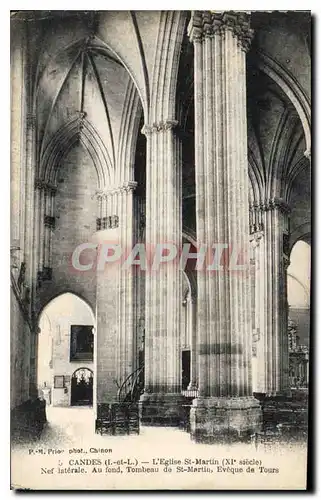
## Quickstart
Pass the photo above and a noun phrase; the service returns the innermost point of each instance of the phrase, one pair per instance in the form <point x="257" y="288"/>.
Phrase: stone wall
<point x="61" y="361"/>
<point x="75" y="214"/>
<point x="20" y="354"/>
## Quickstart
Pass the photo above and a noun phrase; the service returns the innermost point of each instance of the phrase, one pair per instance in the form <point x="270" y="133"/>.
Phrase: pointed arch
<point x="46" y="304"/>
<point x="302" y="232"/>
<point x="291" y="88"/>
<point x="78" y="129"/>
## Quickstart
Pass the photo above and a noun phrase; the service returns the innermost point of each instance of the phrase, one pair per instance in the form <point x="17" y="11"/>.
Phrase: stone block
<point x="161" y="409"/>
<point x="221" y="419"/>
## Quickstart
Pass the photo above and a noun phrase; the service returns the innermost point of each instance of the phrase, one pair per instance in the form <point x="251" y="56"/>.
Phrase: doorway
<point x="82" y="387"/>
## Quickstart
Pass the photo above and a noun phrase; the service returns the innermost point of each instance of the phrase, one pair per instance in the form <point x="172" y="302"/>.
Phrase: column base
<point x="224" y="419"/>
<point x="161" y="409"/>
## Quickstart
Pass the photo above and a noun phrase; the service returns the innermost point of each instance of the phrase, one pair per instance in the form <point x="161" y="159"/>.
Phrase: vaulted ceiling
<point x="97" y="71"/>
<point x="83" y="78"/>
<point x="275" y="135"/>
<point x="78" y="74"/>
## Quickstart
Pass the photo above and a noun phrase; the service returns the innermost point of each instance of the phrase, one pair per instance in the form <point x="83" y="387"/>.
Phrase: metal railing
<point x="132" y="387"/>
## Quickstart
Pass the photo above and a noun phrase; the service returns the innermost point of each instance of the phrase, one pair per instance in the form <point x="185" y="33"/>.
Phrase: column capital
<point x="277" y="204"/>
<point x="255" y="238"/>
<point x="126" y="187"/>
<point x="195" y="27"/>
<point x="98" y="194"/>
<point x="161" y="126"/>
<point x="208" y="23"/>
<point x="45" y="186"/>
<point x="272" y="204"/>
<point x="39" y="184"/>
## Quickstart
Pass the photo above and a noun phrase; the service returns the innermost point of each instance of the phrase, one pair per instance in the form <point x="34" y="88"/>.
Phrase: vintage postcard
<point x="160" y="249"/>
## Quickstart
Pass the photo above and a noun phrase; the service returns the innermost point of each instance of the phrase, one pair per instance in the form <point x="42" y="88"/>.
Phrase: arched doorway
<point x="65" y="346"/>
<point x="82" y="387"/>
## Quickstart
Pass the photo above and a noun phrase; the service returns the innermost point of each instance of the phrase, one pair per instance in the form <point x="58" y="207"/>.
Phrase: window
<point x="81" y="343"/>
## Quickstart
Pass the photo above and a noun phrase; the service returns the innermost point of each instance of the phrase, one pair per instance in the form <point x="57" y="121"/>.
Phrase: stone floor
<point x="52" y="460"/>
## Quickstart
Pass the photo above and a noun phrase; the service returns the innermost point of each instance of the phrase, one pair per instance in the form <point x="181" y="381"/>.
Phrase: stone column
<point x="107" y="331"/>
<point x="33" y="388"/>
<point x="128" y="361"/>
<point x="193" y="325"/>
<point x="161" y="401"/>
<point x="275" y="221"/>
<point x="115" y="339"/>
<point x="253" y="265"/>
<point x="29" y="247"/>
<point x="258" y="300"/>
<point x="225" y="404"/>
<point x="42" y="209"/>
<point x="29" y="162"/>
<point x="17" y="65"/>
<point x="139" y="280"/>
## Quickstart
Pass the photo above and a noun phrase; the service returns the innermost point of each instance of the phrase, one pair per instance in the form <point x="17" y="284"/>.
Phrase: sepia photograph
<point x="160" y="249"/>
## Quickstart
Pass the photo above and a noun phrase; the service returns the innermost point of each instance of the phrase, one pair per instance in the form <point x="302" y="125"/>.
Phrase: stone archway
<point x="65" y="345"/>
